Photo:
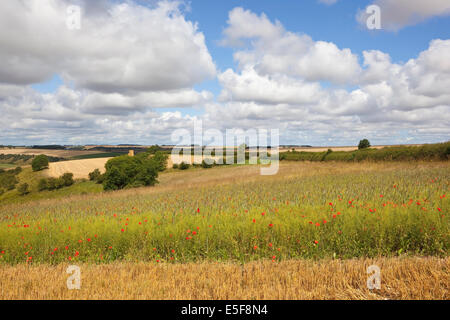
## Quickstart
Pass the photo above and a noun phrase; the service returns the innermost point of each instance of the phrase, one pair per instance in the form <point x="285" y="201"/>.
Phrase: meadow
<point x="232" y="216"/>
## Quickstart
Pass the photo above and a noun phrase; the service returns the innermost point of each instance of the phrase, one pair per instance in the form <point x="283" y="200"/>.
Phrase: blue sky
<point x="307" y="105"/>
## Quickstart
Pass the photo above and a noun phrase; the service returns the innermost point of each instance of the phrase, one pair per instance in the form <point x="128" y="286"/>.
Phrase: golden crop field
<point x="308" y="232"/>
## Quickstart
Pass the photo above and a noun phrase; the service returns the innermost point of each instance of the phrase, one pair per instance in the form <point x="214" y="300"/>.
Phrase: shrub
<point x="183" y="166"/>
<point x="23" y="189"/>
<point x="67" y="179"/>
<point x="52" y="183"/>
<point x="101" y="178"/>
<point x="363" y="144"/>
<point x="205" y="165"/>
<point x="94" y="175"/>
<point x="40" y="162"/>
<point x="175" y="166"/>
<point x="43" y="184"/>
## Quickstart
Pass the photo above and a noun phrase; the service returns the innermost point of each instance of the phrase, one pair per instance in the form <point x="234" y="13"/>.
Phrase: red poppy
<point x="316" y="242"/>
<point x="122" y="230"/>
<point x="270" y="225"/>
<point x="255" y="247"/>
<point x="263" y="213"/>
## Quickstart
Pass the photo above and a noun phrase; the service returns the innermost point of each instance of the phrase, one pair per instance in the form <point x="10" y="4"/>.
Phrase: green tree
<point x="153" y="149"/>
<point x="363" y="144"/>
<point x="67" y="179"/>
<point x="40" y="162"/>
<point x="125" y="171"/>
<point x="23" y="189"/>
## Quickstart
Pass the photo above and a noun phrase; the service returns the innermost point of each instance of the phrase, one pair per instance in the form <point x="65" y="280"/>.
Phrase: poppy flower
<point x="122" y="230"/>
<point x="270" y="225"/>
<point x="263" y="213"/>
<point x="255" y="247"/>
<point x="316" y="242"/>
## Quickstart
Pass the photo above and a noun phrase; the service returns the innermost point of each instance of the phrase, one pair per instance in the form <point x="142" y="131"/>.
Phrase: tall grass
<point x="379" y="211"/>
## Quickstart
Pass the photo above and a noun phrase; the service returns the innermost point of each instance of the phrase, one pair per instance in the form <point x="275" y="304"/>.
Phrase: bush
<point x="94" y="175"/>
<point x="40" y="162"/>
<point x="205" y="165"/>
<point x="52" y="183"/>
<point x="67" y="179"/>
<point x="101" y="179"/>
<point x="363" y="144"/>
<point x="183" y="166"/>
<point x="23" y="189"/>
<point x="175" y="166"/>
<point x="43" y="184"/>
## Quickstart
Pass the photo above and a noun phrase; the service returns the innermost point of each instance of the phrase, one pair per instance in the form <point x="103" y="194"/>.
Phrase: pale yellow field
<point x="79" y="168"/>
<point x="82" y="168"/>
<point x="401" y="278"/>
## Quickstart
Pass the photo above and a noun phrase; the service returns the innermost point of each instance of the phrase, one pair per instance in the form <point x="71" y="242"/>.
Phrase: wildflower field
<point x="306" y="211"/>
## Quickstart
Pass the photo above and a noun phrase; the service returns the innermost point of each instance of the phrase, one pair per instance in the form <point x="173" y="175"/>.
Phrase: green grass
<point x="7" y="165"/>
<point x="356" y="212"/>
<point x="32" y="178"/>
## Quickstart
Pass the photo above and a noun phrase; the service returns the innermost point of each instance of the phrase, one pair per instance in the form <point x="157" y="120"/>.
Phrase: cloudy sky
<point x="135" y="71"/>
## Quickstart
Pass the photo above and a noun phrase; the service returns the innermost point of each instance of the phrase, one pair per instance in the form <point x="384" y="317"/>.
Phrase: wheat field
<point x="401" y="278"/>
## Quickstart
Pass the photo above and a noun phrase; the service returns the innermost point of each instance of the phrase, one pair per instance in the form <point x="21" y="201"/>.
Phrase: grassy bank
<point x="428" y="152"/>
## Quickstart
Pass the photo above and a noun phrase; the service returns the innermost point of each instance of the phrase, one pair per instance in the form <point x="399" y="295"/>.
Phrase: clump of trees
<point x="40" y="162"/>
<point x="51" y="184"/>
<point x="363" y="144"/>
<point x="130" y="172"/>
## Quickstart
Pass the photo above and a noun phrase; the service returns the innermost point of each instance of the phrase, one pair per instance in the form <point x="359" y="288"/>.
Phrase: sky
<point x="140" y="71"/>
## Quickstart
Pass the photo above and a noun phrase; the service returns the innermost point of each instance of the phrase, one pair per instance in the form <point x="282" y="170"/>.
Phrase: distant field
<point x="48" y="152"/>
<point x="79" y="168"/>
